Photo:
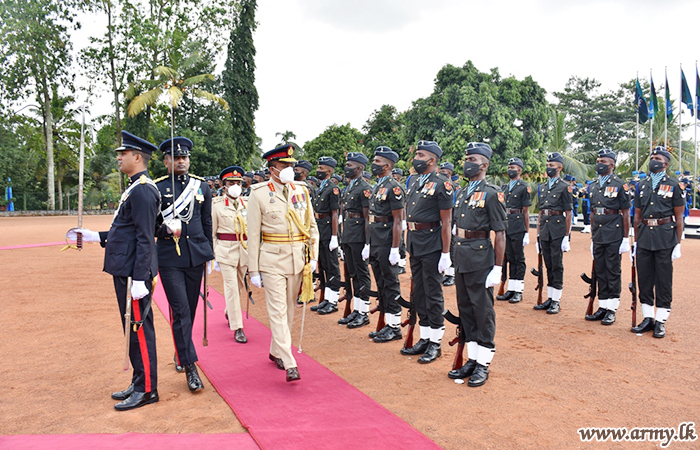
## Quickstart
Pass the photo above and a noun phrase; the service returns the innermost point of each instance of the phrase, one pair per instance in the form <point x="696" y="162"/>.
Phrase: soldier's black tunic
<point x="326" y="201"/>
<point x="553" y="227"/>
<point x="517" y="198"/>
<point x="355" y="198"/>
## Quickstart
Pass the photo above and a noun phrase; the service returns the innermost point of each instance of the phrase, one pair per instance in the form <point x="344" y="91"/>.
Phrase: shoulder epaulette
<point x="196" y="177"/>
<point x="217" y="199"/>
<point x="161" y="178"/>
<point x="257" y="186"/>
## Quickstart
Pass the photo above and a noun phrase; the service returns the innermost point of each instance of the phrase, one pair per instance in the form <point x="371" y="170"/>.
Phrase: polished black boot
<point x="598" y="315"/>
<point x="418" y="349"/>
<point x="646" y="325"/>
<point x="391" y="334"/>
<point x="349" y="318"/>
<point x="123" y="395"/>
<point x="293" y="374"/>
<point x="479" y="377"/>
<point x="193" y="380"/>
<point x="448" y="280"/>
<point x="659" y="330"/>
<point x="373" y="334"/>
<point x="320" y="305"/>
<point x="507" y="296"/>
<point x="543" y="306"/>
<point x="609" y="318"/>
<point x="432" y="353"/>
<point x="360" y="321"/>
<point x="240" y="337"/>
<point x="516" y="298"/>
<point x="178" y="367"/>
<point x="553" y="308"/>
<point x="278" y="362"/>
<point x="137" y="400"/>
<point x="328" y="309"/>
<point x="463" y="372"/>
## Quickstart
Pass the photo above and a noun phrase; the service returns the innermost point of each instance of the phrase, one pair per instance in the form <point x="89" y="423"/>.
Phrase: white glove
<point x="454" y="230"/>
<point x="444" y="263"/>
<point x="342" y="255"/>
<point x="633" y="252"/>
<point x="565" y="246"/>
<point x="313" y="263"/>
<point x="138" y="290"/>
<point x="88" y="235"/>
<point x="403" y="225"/>
<point x="592" y="255"/>
<point x="256" y="280"/>
<point x="334" y="243"/>
<point x="216" y="266"/>
<point x="526" y="239"/>
<point x="340" y="218"/>
<point x="494" y="277"/>
<point x="537" y="246"/>
<point x="394" y="256"/>
<point x="676" y="252"/>
<point x="625" y="245"/>
<point x="365" y="252"/>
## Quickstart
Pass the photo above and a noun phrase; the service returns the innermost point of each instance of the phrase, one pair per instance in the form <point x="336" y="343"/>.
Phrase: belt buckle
<point x="653" y="222"/>
<point x="545" y="212"/>
<point x="411" y="226"/>
<point x="600" y="211"/>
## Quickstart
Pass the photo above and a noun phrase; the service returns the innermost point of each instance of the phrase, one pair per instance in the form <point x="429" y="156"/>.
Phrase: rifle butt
<point x="408" y="343"/>
<point x="459" y="357"/>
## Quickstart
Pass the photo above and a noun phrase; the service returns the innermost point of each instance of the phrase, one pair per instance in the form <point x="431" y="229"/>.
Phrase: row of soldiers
<point x="284" y="230"/>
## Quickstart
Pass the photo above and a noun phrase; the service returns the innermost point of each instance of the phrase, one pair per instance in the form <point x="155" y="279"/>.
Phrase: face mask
<point x="245" y="184"/>
<point x="471" y="169"/>
<point x="297" y="176"/>
<point x="602" y="168"/>
<point x="551" y="172"/>
<point x="287" y="175"/>
<point x="321" y="175"/>
<point x="420" y="165"/>
<point x="655" y="166"/>
<point x="235" y="190"/>
<point x="377" y="169"/>
<point x="512" y="173"/>
<point x="350" y="173"/>
<point x="455" y="177"/>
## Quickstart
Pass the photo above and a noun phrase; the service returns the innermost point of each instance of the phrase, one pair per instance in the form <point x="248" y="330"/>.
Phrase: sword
<point x="250" y="295"/>
<point x="127" y="323"/>
<point x="205" y="341"/>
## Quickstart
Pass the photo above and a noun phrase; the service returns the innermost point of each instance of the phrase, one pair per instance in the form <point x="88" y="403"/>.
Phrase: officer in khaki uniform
<point x="282" y="239"/>
<point x="230" y="245"/>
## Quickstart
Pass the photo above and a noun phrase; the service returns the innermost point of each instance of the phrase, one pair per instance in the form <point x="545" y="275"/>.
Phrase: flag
<point x="685" y="93"/>
<point x="669" y="106"/>
<point x="697" y="93"/>
<point x="641" y="104"/>
<point x="653" y="101"/>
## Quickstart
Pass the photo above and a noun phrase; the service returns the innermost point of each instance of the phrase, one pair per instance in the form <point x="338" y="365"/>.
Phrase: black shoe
<point x="123" y="395"/>
<point x="516" y="298"/>
<point x="543" y="306"/>
<point x="360" y="321"/>
<point x="320" y="305"/>
<point x="349" y="318"/>
<point x="448" y="280"/>
<point x="609" y="318"/>
<point x="293" y="374"/>
<point x="313" y="299"/>
<point x="553" y="308"/>
<point x="659" y="330"/>
<point x="432" y="353"/>
<point x="240" y="336"/>
<point x="391" y="334"/>
<point x="463" y="372"/>
<point x="507" y="296"/>
<point x="374" y="334"/>
<point x="278" y="362"/>
<point x="418" y="349"/>
<point x="479" y="377"/>
<point x="178" y="367"/>
<point x="402" y="270"/>
<point x="646" y="325"/>
<point x="193" y="380"/>
<point x="328" y="309"/>
<point x="137" y="400"/>
<point x="598" y="315"/>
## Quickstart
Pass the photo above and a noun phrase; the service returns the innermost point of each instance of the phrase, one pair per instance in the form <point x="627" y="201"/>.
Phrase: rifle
<point x="127" y="323"/>
<point x="539" y="273"/>
<point x="411" y="319"/>
<point x="504" y="277"/>
<point x="250" y="295"/>
<point x="460" y="339"/>
<point x="381" y="323"/>
<point x="633" y="290"/>
<point x="205" y="341"/>
<point x="347" y="295"/>
<point x="592" y="291"/>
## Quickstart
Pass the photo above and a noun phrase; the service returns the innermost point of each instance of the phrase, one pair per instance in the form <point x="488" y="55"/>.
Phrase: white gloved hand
<point x="404" y="226"/>
<point x="394" y="256"/>
<point x="633" y="253"/>
<point x="217" y="267"/>
<point x="526" y="239"/>
<point x="342" y="254"/>
<point x="494" y="277"/>
<point x="334" y="243"/>
<point x="676" y="252"/>
<point x="340" y="218"/>
<point x="565" y="246"/>
<point x="365" y="252"/>
<point x="625" y="245"/>
<point x="88" y="235"/>
<point x="209" y="264"/>
<point x="256" y="280"/>
<point x="444" y="263"/>
<point x="313" y="264"/>
<point x="138" y="290"/>
<point x="454" y="230"/>
<point x="537" y="246"/>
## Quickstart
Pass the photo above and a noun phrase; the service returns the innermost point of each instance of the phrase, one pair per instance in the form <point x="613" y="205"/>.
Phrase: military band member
<point x="610" y="222"/>
<point x="428" y="213"/>
<point x="282" y="238"/>
<point x="658" y="221"/>
<point x="554" y="201"/>
<point x="230" y="246"/>
<point x="517" y="194"/>
<point x="447" y="169"/>
<point x="130" y="251"/>
<point x="184" y="246"/>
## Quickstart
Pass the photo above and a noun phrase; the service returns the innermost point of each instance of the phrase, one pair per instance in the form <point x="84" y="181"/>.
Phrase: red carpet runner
<point x="238" y="441"/>
<point x="320" y="411"/>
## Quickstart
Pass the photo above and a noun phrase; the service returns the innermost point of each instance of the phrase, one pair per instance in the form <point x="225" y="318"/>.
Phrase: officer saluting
<point x="610" y="222"/>
<point x="658" y="221"/>
<point x="130" y="252"/>
<point x="184" y="246"/>
<point x="517" y="194"/>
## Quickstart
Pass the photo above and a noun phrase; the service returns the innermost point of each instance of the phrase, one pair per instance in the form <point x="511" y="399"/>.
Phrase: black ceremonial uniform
<point x="130" y="251"/>
<point x="552" y="203"/>
<point x="517" y="197"/>
<point x="326" y="201"/>
<point x="181" y="274"/>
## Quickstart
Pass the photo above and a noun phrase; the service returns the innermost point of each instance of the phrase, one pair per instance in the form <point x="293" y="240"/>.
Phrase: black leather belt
<point x="383" y="219"/>
<point x="413" y="226"/>
<point x="656" y="222"/>
<point x="472" y="234"/>
<point x="322" y="215"/>
<point x="354" y="215"/>
<point x="514" y="211"/>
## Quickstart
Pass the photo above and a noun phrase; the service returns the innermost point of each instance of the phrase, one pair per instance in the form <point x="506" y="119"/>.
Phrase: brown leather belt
<point x="472" y="234"/>
<point x="354" y="215"/>
<point x="413" y="226"/>
<point x="382" y="219"/>
<point x="604" y="211"/>
<point x="550" y="212"/>
<point x="229" y="237"/>
<point x="656" y="222"/>
<point x="514" y="211"/>
<point x="322" y="215"/>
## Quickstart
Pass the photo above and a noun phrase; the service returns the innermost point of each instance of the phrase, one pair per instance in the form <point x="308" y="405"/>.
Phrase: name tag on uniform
<point x="666" y="191"/>
<point x="611" y="192"/>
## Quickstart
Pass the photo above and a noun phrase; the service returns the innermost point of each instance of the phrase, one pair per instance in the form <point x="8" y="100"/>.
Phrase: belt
<point x="472" y="234"/>
<point x="384" y="219"/>
<point x="604" y="211"/>
<point x="279" y="238"/>
<point x="655" y="222"/>
<point x="550" y="212"/>
<point x="354" y="215"/>
<point x="230" y="237"/>
<point x="413" y="226"/>
<point x="322" y="215"/>
<point x="514" y="211"/>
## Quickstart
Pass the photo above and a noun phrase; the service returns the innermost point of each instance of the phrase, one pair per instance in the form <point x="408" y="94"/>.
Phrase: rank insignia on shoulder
<point x="143" y="179"/>
<point x="397" y="190"/>
<point x="448" y="185"/>
<point x="529" y="190"/>
<point x="335" y="191"/>
<point x="501" y="197"/>
<point x="367" y="193"/>
<point x="570" y="189"/>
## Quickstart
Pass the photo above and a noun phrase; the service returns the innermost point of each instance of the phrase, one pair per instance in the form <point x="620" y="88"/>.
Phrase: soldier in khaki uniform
<point x="282" y="239"/>
<point x="230" y="245"/>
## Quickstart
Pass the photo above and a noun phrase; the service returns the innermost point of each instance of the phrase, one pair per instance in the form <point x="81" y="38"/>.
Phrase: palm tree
<point x="573" y="160"/>
<point x="287" y="137"/>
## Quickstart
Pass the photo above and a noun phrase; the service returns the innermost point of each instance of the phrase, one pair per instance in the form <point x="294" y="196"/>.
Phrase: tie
<point x="285" y="191"/>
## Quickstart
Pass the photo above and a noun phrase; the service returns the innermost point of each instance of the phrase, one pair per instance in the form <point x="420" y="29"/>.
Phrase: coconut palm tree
<point x="573" y="160"/>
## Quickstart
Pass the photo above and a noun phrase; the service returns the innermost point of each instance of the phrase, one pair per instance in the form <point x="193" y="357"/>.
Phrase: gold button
<point x="481" y="246"/>
<point x="459" y="243"/>
<point x="462" y="215"/>
<point x="652" y="203"/>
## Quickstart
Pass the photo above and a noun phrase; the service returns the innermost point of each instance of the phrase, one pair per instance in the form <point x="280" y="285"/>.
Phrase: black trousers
<point x="475" y="304"/>
<point x="142" y="346"/>
<point x="357" y="269"/>
<point x="402" y="246"/>
<point x="554" y="261"/>
<point x="608" y="270"/>
<point x="515" y="254"/>
<point x="330" y="266"/>
<point x="427" y="289"/>
<point x="586" y="211"/>
<point x="182" y="287"/>
<point x="655" y="275"/>
<point x="387" y="278"/>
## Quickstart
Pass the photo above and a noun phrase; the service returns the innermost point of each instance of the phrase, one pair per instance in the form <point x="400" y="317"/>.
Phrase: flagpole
<point x="680" y="127"/>
<point x="651" y="122"/>
<point x="637" y="133"/>
<point x="666" y="108"/>
<point x="694" y="178"/>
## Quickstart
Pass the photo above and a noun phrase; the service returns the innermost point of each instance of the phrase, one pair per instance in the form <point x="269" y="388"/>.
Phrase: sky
<point x="325" y="62"/>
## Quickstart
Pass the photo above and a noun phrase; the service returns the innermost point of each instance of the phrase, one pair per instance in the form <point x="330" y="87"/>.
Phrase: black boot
<point x="123" y="395"/>
<point x="418" y="349"/>
<point x="137" y="400"/>
<point x="598" y="315"/>
<point x="193" y="380"/>
<point x="507" y="296"/>
<point x="360" y="321"/>
<point x="543" y="306"/>
<point x="609" y="318"/>
<point x="391" y="334"/>
<point x="463" y="372"/>
<point x="432" y="353"/>
<point x="320" y="305"/>
<point x="328" y="309"/>
<point x="374" y="334"/>
<point x="479" y="377"/>
<point x="659" y="330"/>
<point x="646" y="325"/>
<point x="553" y="308"/>
<point x="448" y="280"/>
<point x="516" y="298"/>
<point x="349" y="318"/>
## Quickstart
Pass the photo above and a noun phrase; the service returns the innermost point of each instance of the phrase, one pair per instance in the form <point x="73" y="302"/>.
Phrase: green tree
<point x="384" y="127"/>
<point x="336" y="141"/>
<point x="287" y="137"/>
<point x="558" y="142"/>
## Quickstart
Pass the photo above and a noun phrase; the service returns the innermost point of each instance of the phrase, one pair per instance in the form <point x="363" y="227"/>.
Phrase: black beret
<point x="430" y="146"/>
<point x="327" y="161"/>
<point x="607" y="153"/>
<point x="386" y="152"/>
<point x="131" y="142"/>
<point x="516" y="162"/>
<point x="367" y="175"/>
<point x="337" y="177"/>
<point x="555" y="157"/>
<point x="312" y="178"/>
<point x="479" y="148"/>
<point x="661" y="150"/>
<point x="304" y="164"/>
<point x="358" y="157"/>
<point x="249" y="174"/>
<point x="397" y="172"/>
<point x="180" y="146"/>
<point x="448" y="166"/>
<point x="260" y="173"/>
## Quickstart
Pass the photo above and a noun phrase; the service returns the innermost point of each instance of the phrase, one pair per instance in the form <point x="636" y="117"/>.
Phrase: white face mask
<point x="235" y="190"/>
<point x="287" y="175"/>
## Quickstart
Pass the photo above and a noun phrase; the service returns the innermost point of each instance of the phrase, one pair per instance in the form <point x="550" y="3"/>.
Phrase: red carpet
<point x="238" y="441"/>
<point x="311" y="413"/>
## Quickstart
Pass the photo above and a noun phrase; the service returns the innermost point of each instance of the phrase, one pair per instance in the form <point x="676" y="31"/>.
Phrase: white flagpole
<point x="697" y="107"/>
<point x="651" y="121"/>
<point x="680" y="126"/>
<point x="665" y="110"/>
<point x="637" y="130"/>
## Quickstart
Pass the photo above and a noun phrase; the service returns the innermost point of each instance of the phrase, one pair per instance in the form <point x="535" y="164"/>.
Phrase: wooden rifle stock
<point x="539" y="273"/>
<point x="592" y="292"/>
<point x="411" y="319"/>
<point x="459" y="339"/>
<point x="633" y="290"/>
<point x="504" y="277"/>
<point x="381" y="323"/>
<point x="347" y="295"/>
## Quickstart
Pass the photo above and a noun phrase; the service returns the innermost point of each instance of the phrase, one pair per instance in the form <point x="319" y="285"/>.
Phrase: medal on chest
<point x="611" y="192"/>
<point x="665" y="191"/>
<point x="477" y="200"/>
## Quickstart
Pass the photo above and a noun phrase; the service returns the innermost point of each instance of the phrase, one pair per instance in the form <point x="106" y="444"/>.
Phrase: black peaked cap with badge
<point x="180" y="146"/>
<point x="132" y="142"/>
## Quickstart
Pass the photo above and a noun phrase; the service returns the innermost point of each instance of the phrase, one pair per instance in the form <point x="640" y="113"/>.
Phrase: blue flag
<point x="669" y="106"/>
<point x="641" y="104"/>
<point x="653" y="101"/>
<point x="685" y="93"/>
<point x="697" y="92"/>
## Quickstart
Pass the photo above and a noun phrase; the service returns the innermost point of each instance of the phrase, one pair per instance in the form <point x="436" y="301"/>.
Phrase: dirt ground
<point x="60" y="334"/>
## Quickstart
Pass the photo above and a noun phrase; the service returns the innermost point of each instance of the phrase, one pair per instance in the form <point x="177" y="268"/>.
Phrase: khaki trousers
<point x="281" y="293"/>
<point x="233" y="284"/>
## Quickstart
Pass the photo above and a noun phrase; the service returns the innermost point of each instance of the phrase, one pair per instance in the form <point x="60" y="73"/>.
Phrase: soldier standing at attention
<point x="301" y="173"/>
<point x="184" y="246"/>
<point x="610" y="225"/>
<point x="228" y="218"/>
<point x="282" y="239"/>
<point x="658" y="221"/>
<point x="554" y="200"/>
<point x="428" y="214"/>
<point x="517" y="194"/>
